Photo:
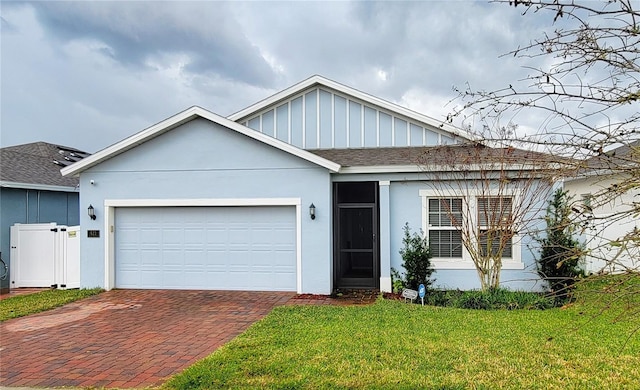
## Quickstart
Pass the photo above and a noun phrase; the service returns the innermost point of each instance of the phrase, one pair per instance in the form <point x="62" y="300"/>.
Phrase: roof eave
<point x="427" y="168"/>
<point x="40" y="187"/>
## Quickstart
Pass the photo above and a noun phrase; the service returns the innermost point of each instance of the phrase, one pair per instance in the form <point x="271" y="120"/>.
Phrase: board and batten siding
<point x="319" y="118"/>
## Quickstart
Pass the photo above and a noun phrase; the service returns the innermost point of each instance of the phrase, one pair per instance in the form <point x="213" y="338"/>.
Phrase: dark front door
<point x="356" y="235"/>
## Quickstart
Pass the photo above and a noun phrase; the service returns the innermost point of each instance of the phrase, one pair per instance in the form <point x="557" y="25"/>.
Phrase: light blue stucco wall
<point x="405" y="206"/>
<point x="19" y="205"/>
<point x="203" y="160"/>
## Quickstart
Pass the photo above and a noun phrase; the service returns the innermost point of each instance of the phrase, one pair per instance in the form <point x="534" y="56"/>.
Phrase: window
<point x="486" y="217"/>
<point x="494" y="223"/>
<point x="494" y="212"/>
<point x="497" y="238"/>
<point x="445" y="240"/>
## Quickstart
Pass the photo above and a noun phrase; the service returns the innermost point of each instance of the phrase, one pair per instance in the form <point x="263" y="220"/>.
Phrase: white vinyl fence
<point x="45" y="255"/>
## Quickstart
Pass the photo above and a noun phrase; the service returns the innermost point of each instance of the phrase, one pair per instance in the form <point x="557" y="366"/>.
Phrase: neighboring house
<point x="32" y="189"/>
<point x="605" y="200"/>
<point x="305" y="191"/>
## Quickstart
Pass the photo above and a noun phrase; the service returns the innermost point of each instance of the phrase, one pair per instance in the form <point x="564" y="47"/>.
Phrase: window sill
<point x="461" y="264"/>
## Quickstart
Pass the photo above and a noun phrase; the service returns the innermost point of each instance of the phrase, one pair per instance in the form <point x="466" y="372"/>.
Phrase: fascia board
<point x="295" y="89"/>
<point x="382" y="169"/>
<point x="428" y="168"/>
<point x="605" y="173"/>
<point x="40" y="187"/>
<point x="179" y="119"/>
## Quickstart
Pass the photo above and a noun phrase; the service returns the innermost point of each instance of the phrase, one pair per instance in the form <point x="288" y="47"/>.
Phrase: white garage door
<point x="214" y="248"/>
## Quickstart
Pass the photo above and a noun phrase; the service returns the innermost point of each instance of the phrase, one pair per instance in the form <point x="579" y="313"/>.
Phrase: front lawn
<point x="391" y="344"/>
<point x="22" y="305"/>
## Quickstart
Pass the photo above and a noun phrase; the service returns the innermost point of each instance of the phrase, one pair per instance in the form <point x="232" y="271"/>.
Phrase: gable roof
<point x="180" y="119"/>
<point x="37" y="166"/>
<point x="317" y="80"/>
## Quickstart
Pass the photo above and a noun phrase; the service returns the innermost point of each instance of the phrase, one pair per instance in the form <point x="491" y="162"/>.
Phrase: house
<point x="32" y="190"/>
<point x="307" y="191"/>
<point x="606" y="199"/>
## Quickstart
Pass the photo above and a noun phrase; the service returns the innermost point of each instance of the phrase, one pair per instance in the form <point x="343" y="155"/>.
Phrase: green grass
<point x="23" y="305"/>
<point x="391" y="345"/>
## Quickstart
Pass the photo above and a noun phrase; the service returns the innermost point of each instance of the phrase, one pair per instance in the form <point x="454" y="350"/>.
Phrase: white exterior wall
<point x="608" y="223"/>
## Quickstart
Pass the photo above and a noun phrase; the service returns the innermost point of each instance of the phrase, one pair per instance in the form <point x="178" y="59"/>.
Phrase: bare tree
<point x="486" y="200"/>
<point x="584" y="82"/>
<point x="589" y="82"/>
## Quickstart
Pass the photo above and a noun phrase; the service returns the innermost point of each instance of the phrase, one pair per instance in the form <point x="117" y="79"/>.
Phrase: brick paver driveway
<point x="125" y="338"/>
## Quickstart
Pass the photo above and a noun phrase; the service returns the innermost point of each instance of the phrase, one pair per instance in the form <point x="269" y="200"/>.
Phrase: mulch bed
<point x="392" y="296"/>
<point x="339" y="297"/>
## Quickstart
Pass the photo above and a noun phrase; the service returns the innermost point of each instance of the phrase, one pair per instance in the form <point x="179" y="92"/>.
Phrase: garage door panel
<point x="149" y="257"/>
<point x="239" y="236"/>
<point x="217" y="258"/>
<point x="237" y="248"/>
<point x="236" y="279"/>
<point x="151" y="278"/>
<point x="129" y="277"/>
<point x="217" y="235"/>
<point x="283" y="278"/>
<point x="173" y="279"/>
<point x="195" y="258"/>
<point x="197" y="279"/>
<point x="150" y="237"/>
<point x="172" y="235"/>
<point x="172" y="258"/>
<point x="195" y="236"/>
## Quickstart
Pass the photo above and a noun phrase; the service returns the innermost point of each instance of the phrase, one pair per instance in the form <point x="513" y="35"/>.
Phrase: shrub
<point x="397" y="284"/>
<point x="494" y="299"/>
<point x="560" y="252"/>
<point x="416" y="261"/>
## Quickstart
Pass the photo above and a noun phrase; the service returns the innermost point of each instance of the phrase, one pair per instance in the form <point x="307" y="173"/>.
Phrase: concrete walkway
<point x="125" y="338"/>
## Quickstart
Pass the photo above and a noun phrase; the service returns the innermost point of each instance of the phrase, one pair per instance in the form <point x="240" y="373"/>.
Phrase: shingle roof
<point x="622" y="156"/>
<point x="467" y="153"/>
<point x="38" y="163"/>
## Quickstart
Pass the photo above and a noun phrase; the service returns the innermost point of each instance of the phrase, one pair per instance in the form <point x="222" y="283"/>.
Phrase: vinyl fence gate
<point x="45" y="255"/>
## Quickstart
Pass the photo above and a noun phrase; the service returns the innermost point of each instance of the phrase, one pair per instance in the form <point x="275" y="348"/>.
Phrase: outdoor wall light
<point x="312" y="211"/>
<point x="92" y="212"/>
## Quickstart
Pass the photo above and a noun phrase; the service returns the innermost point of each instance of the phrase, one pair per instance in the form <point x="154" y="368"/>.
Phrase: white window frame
<point x="515" y="262"/>
<point x="481" y="228"/>
<point x="427" y="228"/>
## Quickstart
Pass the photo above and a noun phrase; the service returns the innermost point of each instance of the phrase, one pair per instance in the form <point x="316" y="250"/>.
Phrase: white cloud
<point x="88" y="74"/>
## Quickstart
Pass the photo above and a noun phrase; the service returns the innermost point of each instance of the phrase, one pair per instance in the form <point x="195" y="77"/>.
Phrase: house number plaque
<point x="93" y="233"/>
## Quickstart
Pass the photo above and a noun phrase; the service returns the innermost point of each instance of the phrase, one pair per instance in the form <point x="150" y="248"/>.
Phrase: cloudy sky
<point x="88" y="74"/>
